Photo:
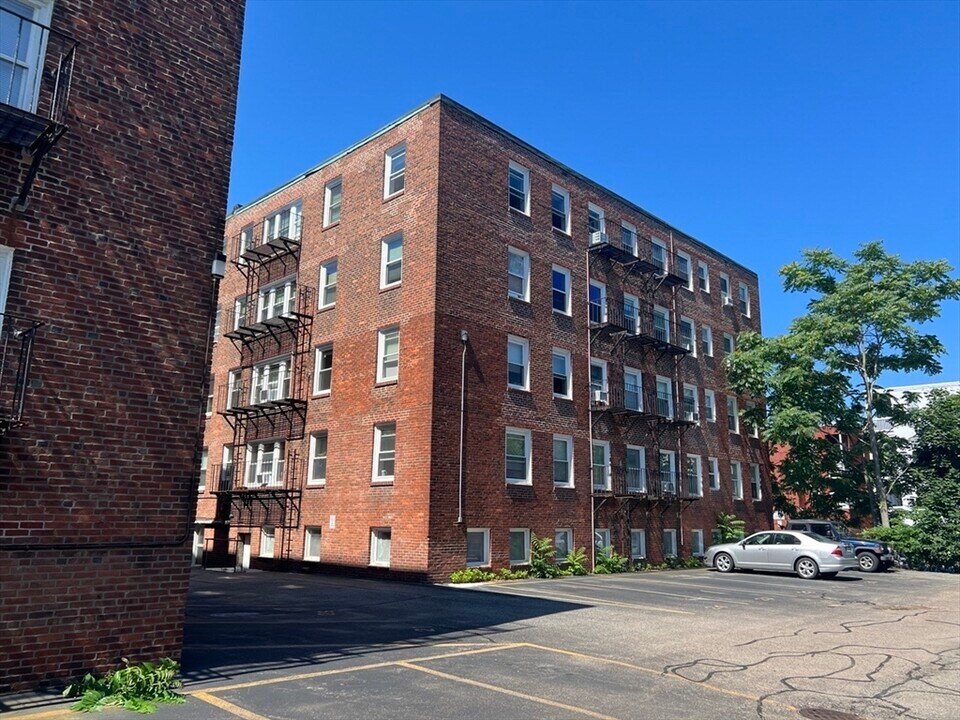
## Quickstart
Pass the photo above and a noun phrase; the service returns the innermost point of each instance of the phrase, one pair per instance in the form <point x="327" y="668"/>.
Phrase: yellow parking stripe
<point x="228" y="707"/>
<point x="505" y="691"/>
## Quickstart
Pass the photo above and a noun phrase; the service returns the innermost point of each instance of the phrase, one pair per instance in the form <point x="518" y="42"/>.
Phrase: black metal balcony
<point x="254" y="246"/>
<point x="251" y="323"/>
<point x="639" y="482"/>
<point x="241" y="400"/>
<point x="16" y="349"/>
<point x="286" y="476"/>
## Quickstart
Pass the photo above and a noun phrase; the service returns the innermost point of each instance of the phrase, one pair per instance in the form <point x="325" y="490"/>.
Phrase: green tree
<point x="730" y="527"/>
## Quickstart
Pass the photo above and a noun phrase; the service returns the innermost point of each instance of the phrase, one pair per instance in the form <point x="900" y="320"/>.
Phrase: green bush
<point x="134" y="687"/>
<point x="730" y="527"/>
<point x="609" y="561"/>
<point x="509" y="574"/>
<point x="576" y="562"/>
<point x="471" y="575"/>
<point x="542" y="554"/>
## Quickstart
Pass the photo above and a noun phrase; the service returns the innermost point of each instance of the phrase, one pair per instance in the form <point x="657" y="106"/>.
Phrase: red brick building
<point x="442" y="340"/>
<point x="116" y="126"/>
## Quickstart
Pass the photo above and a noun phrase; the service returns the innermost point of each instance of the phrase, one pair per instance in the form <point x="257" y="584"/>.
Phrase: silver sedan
<point x="804" y="553"/>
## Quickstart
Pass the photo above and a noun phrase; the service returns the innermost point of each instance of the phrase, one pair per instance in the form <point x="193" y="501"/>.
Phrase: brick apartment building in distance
<point x="116" y="126"/>
<point x="441" y="341"/>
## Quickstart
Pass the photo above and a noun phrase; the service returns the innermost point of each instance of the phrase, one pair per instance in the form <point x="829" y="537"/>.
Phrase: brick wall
<point x="113" y="253"/>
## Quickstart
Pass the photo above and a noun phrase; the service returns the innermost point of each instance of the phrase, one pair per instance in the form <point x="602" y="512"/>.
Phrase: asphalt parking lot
<point x="681" y="644"/>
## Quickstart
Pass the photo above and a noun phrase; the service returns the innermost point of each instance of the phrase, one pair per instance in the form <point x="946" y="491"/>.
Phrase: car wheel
<point x="807" y="568"/>
<point x="868" y="562"/>
<point x="723" y="562"/>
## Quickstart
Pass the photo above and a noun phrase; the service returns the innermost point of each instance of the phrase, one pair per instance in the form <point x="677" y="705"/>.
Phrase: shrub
<point x="471" y="575"/>
<point x="576" y="561"/>
<point x="134" y="687"/>
<point x="509" y="574"/>
<point x="609" y="561"/>
<point x="541" y="558"/>
<point x="730" y="527"/>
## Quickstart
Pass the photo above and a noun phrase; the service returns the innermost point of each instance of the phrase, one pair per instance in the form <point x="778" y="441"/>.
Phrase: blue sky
<point x="759" y="128"/>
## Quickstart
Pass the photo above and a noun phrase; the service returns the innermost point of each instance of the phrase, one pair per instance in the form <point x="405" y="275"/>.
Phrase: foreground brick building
<point x="116" y="126"/>
<point x="442" y="340"/>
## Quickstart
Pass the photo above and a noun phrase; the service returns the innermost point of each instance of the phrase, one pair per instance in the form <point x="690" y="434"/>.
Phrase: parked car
<point x="872" y="555"/>
<point x="806" y="554"/>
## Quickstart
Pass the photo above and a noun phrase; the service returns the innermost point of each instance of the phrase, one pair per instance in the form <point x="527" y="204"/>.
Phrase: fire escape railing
<point x="16" y="349"/>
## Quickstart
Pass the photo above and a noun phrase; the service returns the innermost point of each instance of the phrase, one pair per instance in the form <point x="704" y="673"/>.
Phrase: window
<point x="600" y="466"/>
<point x="226" y="468"/>
<point x="380" y="547"/>
<point x="318" y="459"/>
<point x="518" y="274"/>
<point x="728" y="343"/>
<point x="328" y="284"/>
<point x="243" y="244"/>
<point x="265" y="464"/>
<point x="601" y="538"/>
<point x="628" y="237"/>
<point x="664" y="397"/>
<point x="706" y="341"/>
<point x="638" y="544"/>
<point x="518" y="183"/>
<point x="696" y="542"/>
<point x="595" y="223"/>
<point x="710" y="405"/>
<point x="204" y="459"/>
<point x="715" y="536"/>
<point x="725" y="288"/>
<point x="658" y="256"/>
<point x="240" y="312"/>
<point x="756" y="490"/>
<point x="669" y="543"/>
<point x="668" y="472"/>
<point x="283" y="224"/>
<point x="210" y="386"/>
<point x="384" y="451"/>
<point x="331" y="202"/>
<point x="694" y="476"/>
<point x="561" y="374"/>
<point x="266" y="541"/>
<point x="388" y="354"/>
<point x="636" y="469"/>
<point x="598" y="378"/>
<point x="631" y="311"/>
<point x="311" y="544"/>
<point x="519" y="546"/>
<point x="560" y="209"/>
<point x="688" y="335"/>
<point x="276" y="300"/>
<point x="744" y="300"/>
<point x="598" y="302"/>
<point x="684" y="269"/>
<point x="733" y="418"/>
<point x="703" y="276"/>
<point x="518" y="457"/>
<point x="478" y="547"/>
<point x="561" y="290"/>
<point x="518" y="359"/>
<point x="632" y="389"/>
<point x="713" y="473"/>
<point x="661" y="323"/>
<point x="391" y="260"/>
<point x="562" y="543"/>
<point x="394" y="170"/>
<point x="562" y="461"/>
<point x="234" y="389"/>
<point x="323" y="370"/>
<point x="691" y="408"/>
<point x="271" y="382"/>
<point x="736" y="480"/>
<point x="22" y="52"/>
<point x="217" y="316"/>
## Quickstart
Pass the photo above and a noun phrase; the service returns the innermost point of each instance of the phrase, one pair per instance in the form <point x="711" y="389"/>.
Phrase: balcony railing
<point x="283" y="476"/>
<point x="250" y="322"/>
<point x="255" y="244"/>
<point x="627" y="481"/>
<point x="16" y="351"/>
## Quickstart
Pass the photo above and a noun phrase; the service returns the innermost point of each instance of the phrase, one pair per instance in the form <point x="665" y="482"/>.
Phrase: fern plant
<point x="576" y="561"/>
<point x="135" y="687"/>
<point x="542" y="554"/>
<point x="730" y="527"/>
<point x="610" y="561"/>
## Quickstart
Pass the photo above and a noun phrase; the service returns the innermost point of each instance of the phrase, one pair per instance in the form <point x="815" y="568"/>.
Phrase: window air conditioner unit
<point x="728" y="301"/>
<point x="600" y="397"/>
<point x="598" y="237"/>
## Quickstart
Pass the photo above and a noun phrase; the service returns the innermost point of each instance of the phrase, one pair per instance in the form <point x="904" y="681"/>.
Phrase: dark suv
<point x="872" y="555"/>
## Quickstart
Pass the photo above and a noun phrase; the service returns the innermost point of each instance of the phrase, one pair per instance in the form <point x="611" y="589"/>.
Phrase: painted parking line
<point x="724" y="592"/>
<point x="684" y="596"/>
<point x="516" y="592"/>
<point x="228" y="706"/>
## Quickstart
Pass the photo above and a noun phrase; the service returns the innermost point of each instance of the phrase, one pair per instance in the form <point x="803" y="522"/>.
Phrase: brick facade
<point x="113" y="254"/>
<point x="457" y="229"/>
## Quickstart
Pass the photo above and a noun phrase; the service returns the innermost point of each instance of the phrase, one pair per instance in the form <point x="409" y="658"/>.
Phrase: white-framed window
<point x="243" y="243"/>
<point x="736" y="480"/>
<point x="694" y="476"/>
<point x="599" y="389"/>
<point x="240" y="312"/>
<point x="658" y="256"/>
<point x="519" y="546"/>
<point x="744" y="300"/>
<point x="271" y="382"/>
<point x="638" y="544"/>
<point x="669" y="542"/>
<point x="204" y="461"/>
<point x="384" y="452"/>
<point x="728" y="344"/>
<point x="661" y="323"/>
<point x="632" y="389"/>
<point x="394" y="170"/>
<point x="210" y="390"/>
<point x="217" y="316"/>
<point x="703" y="276"/>
<point x="691" y="403"/>
<point x="688" y="335"/>
<point x="631" y="313"/>
<point x="391" y="260"/>
<point x="388" y="354"/>
<point x="380" y="546"/>
<point x="706" y="340"/>
<point x="713" y="473"/>
<point x="518" y="457"/>
<point x="561" y="290"/>
<point x="518" y="363"/>
<point x="311" y="544"/>
<point x="664" y="396"/>
<point x="628" y="237"/>
<point x="562" y="376"/>
<point x="478" y="547"/>
<point x="756" y="489"/>
<point x="518" y="188"/>
<point x="562" y="543"/>
<point x="22" y="51"/>
<point x="323" y="370"/>
<point x="518" y="274"/>
<point x="696" y="543"/>
<point x="265" y="464"/>
<point x="598" y="302"/>
<point x="636" y="469"/>
<point x="562" y="461"/>
<point x="276" y="300"/>
<point x="596" y="222"/>
<point x="600" y="465"/>
<point x="560" y="209"/>
<point x="267" y="541"/>
<point x="226" y="467"/>
<point x="685" y="269"/>
<point x="668" y="472"/>
<point x="328" y="284"/>
<point x="332" y="196"/>
<point x="317" y="474"/>
<point x="234" y="389"/>
<point x="710" y="405"/>
<point x="725" y="288"/>
<point x="601" y="538"/>
<point x="284" y="223"/>
<point x="733" y="416"/>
